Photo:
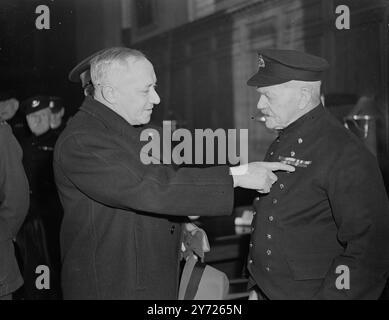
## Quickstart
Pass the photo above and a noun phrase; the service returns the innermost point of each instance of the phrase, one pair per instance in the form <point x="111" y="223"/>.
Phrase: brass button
<point x="251" y="244"/>
<point x="268" y="236"/>
<point x="254" y="213"/>
<point x="275" y="201"/>
<point x="250" y="261"/>
<point x="282" y="186"/>
<point x="292" y="154"/>
<point x="252" y="229"/>
<point x="267" y="269"/>
<point x="300" y="141"/>
<point x="172" y="229"/>
<point x="268" y="252"/>
<point x="271" y="218"/>
<point x="256" y="199"/>
<point x="271" y="153"/>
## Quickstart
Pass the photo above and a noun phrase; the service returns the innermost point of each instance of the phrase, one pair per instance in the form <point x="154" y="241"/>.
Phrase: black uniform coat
<point x="332" y="213"/>
<point x="14" y="201"/>
<point x="116" y="240"/>
<point x="38" y="238"/>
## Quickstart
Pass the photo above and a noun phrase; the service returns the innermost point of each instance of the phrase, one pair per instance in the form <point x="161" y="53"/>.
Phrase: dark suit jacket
<point x="332" y="213"/>
<point x="120" y="236"/>
<point x="14" y="201"/>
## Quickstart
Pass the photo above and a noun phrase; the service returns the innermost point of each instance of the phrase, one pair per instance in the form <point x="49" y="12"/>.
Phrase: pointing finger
<point x="274" y="166"/>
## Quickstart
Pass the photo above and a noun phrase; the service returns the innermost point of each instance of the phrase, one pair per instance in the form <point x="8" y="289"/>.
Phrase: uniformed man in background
<point x="14" y="201"/>
<point x="38" y="239"/>
<point x="57" y="108"/>
<point x="323" y="231"/>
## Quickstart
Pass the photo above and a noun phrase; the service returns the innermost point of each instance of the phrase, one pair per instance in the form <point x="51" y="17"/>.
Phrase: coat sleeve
<point x="360" y="207"/>
<point x="14" y="190"/>
<point x="116" y="177"/>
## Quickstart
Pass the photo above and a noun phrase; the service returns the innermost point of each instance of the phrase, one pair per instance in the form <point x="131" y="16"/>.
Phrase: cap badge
<point x="35" y="103"/>
<point x="261" y="62"/>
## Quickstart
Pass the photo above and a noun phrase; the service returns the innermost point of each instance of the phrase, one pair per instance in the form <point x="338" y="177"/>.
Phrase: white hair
<point x="107" y="60"/>
<point x="312" y="86"/>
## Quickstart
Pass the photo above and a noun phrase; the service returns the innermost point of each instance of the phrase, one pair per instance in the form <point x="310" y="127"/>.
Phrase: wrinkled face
<point x="39" y="122"/>
<point x="8" y="109"/>
<point x="135" y="92"/>
<point x="279" y="105"/>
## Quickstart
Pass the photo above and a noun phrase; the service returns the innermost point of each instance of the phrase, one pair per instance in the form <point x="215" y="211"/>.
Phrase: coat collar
<point x="307" y="118"/>
<point x="109" y="117"/>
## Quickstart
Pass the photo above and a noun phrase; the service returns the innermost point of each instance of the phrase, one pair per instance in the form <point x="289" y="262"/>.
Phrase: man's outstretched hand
<point x="258" y="175"/>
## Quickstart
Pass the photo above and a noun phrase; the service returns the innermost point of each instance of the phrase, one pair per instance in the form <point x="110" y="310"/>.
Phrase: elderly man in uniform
<point x="323" y="232"/>
<point x="14" y="201"/>
<point x="121" y="232"/>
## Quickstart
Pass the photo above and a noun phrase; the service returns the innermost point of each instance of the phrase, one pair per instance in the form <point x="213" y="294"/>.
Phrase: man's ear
<point x="108" y="94"/>
<point x="305" y="98"/>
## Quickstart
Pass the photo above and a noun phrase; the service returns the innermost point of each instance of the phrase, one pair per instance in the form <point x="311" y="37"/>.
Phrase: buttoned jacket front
<point x="332" y="213"/>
